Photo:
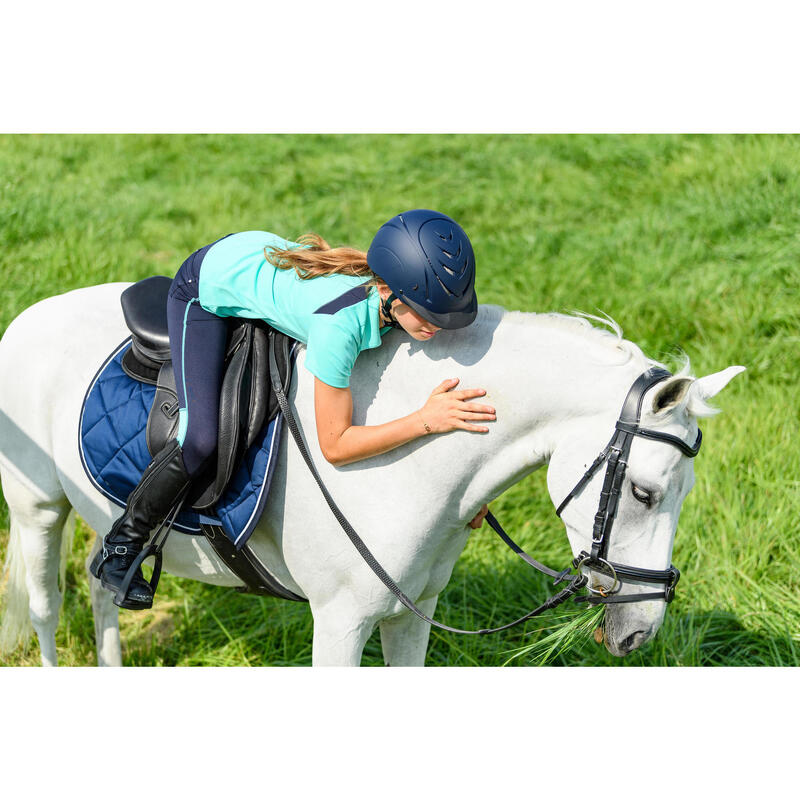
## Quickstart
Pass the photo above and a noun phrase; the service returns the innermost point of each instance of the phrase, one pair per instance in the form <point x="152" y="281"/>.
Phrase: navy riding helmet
<point x="426" y="259"/>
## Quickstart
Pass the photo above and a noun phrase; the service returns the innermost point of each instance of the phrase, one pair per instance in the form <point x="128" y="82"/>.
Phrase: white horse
<point x="556" y="382"/>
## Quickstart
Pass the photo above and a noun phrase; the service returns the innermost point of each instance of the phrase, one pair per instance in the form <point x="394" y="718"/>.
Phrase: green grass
<point x="692" y="243"/>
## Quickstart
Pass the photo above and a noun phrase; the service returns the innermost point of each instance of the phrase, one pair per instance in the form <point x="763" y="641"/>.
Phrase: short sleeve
<point x="331" y="350"/>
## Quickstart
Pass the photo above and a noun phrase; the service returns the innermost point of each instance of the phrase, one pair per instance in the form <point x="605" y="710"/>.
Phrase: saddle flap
<point x="234" y="408"/>
<point x="259" y="384"/>
<point x="247" y="401"/>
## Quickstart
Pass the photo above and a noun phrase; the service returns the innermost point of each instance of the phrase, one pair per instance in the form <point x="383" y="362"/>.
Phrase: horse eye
<point x="641" y="495"/>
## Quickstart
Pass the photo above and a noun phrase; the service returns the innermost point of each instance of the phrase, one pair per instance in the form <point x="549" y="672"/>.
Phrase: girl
<point x="418" y="275"/>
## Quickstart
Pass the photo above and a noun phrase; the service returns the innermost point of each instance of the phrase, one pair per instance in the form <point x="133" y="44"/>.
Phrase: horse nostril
<point x="630" y="643"/>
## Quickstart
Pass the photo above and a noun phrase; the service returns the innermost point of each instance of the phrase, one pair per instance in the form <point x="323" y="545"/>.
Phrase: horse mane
<point x="609" y="338"/>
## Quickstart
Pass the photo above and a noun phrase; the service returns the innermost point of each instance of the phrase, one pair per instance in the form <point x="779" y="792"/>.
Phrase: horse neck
<point x="544" y="374"/>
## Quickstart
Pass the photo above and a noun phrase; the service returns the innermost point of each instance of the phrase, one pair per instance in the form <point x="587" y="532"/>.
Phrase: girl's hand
<point x="447" y="410"/>
<point x="477" y="520"/>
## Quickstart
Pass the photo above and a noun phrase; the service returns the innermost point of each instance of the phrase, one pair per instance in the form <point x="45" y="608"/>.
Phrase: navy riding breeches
<point x="197" y="340"/>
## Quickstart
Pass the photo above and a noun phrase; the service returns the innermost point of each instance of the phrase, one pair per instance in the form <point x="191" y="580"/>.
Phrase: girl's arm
<point x="342" y="442"/>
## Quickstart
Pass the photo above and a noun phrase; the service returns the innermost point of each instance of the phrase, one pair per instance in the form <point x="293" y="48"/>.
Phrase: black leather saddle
<point x="247" y="402"/>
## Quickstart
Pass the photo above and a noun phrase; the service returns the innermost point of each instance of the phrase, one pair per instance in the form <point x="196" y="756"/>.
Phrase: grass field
<point x="691" y="243"/>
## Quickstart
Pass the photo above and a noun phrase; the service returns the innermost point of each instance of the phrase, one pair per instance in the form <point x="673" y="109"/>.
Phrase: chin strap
<point x="386" y="308"/>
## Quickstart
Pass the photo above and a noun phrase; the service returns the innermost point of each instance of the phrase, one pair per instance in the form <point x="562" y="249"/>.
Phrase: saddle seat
<point x="247" y="402"/>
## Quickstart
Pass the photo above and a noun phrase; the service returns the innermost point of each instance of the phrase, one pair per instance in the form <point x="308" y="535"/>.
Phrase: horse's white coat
<point x="557" y="385"/>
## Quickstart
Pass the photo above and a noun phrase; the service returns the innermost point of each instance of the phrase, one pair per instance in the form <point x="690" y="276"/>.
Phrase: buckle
<point x="674" y="576"/>
<point x="669" y="588"/>
<point x="120" y="550"/>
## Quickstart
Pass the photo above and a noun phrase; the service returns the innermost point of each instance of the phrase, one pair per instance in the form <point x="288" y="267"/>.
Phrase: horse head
<point x="655" y="475"/>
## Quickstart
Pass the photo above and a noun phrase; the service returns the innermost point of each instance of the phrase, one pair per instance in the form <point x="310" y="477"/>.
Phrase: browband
<point x="688" y="450"/>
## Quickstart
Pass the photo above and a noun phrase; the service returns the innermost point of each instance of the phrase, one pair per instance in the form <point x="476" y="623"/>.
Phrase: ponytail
<point x="318" y="258"/>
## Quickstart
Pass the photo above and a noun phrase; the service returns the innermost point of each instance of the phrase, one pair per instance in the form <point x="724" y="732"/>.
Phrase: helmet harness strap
<point x="386" y="307"/>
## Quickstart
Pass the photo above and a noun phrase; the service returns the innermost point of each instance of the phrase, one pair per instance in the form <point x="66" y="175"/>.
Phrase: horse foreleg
<point x="340" y="633"/>
<point x="106" y="619"/>
<point x="404" y="638"/>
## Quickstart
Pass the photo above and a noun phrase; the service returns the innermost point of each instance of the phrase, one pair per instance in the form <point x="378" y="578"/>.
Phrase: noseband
<point x="616" y="455"/>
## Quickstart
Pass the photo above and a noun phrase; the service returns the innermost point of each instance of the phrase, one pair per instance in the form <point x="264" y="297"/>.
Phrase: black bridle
<point x="616" y="452"/>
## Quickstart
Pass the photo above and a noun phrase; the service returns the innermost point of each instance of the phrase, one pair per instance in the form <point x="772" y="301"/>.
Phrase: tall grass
<point x="692" y="243"/>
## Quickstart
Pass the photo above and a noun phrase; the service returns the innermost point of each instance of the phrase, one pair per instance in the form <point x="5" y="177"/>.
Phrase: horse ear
<point x="704" y="389"/>
<point x="671" y="393"/>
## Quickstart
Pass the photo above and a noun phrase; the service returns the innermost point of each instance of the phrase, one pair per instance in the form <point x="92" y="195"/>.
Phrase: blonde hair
<point x="318" y="258"/>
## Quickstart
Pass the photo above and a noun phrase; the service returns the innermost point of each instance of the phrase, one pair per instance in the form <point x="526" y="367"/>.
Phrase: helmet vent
<point x="451" y="255"/>
<point x="444" y="287"/>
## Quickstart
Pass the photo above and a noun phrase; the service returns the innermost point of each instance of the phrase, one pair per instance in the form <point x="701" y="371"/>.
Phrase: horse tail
<point x="16" y="628"/>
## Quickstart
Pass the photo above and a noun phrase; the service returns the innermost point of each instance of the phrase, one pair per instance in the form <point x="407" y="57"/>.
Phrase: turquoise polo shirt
<point x="236" y="280"/>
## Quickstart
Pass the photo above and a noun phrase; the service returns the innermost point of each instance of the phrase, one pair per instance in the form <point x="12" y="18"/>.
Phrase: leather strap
<point x="613" y="599"/>
<point x="668" y="577"/>
<point x="153" y="548"/>
<point x="387" y="311"/>
<point x="688" y="450"/>
<point x="246" y="566"/>
<point x="587" y="476"/>
<point x="498" y="529"/>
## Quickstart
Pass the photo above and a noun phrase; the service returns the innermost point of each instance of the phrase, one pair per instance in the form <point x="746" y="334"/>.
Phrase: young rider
<point x="418" y="275"/>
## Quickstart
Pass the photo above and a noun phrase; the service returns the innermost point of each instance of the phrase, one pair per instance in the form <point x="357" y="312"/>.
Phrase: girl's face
<point x="412" y="323"/>
<point x="408" y="319"/>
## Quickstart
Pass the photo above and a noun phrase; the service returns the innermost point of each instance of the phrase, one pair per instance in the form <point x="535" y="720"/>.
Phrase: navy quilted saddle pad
<point x="114" y="452"/>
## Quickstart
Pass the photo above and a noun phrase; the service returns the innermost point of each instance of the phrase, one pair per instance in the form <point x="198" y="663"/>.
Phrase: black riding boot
<point x="148" y="505"/>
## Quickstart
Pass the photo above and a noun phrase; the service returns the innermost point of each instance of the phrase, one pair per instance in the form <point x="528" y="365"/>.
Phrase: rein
<point x="607" y="511"/>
